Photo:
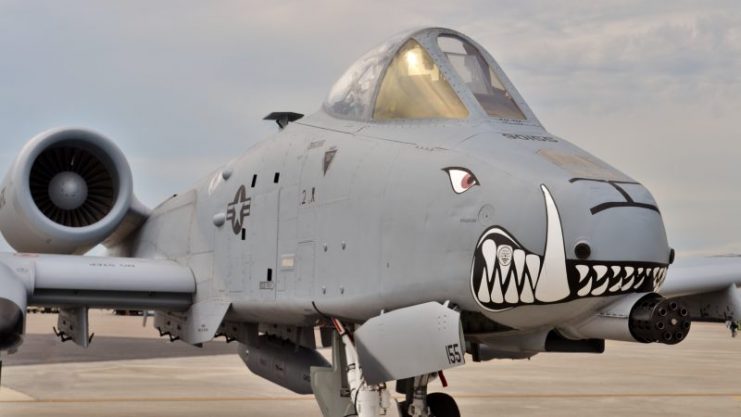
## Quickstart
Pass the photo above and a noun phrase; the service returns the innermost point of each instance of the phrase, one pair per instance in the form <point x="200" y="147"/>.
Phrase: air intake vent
<point x="71" y="186"/>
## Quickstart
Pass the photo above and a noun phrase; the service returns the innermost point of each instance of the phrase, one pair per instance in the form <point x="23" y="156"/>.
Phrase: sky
<point x="653" y="88"/>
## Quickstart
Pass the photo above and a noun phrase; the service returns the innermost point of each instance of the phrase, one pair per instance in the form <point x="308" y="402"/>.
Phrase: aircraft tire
<point x="442" y="405"/>
<point x="403" y="409"/>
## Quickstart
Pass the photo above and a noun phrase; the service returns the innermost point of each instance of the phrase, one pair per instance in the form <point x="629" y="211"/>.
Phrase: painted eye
<point x="461" y="179"/>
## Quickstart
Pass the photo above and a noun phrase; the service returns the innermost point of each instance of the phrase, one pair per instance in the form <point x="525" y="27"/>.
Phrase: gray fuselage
<point x="358" y="218"/>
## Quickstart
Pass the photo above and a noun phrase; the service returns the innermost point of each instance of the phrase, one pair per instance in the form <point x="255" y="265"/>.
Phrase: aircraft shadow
<point x="47" y="349"/>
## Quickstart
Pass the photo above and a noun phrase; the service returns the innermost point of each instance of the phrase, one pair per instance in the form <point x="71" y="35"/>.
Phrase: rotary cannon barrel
<point x="643" y="318"/>
<point x="657" y="319"/>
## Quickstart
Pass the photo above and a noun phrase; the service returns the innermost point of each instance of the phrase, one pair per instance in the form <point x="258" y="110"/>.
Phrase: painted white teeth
<point x="511" y="295"/>
<point x="627" y="284"/>
<point x="533" y="268"/>
<point x="629" y="271"/>
<point x="601" y="270"/>
<point x="656" y="276"/>
<point x="509" y="276"/>
<point x="504" y="270"/>
<point x="615" y="273"/>
<point x="513" y="278"/>
<point x="496" y="291"/>
<point x="519" y="260"/>
<point x="583" y="271"/>
<point x="601" y="289"/>
<point x="661" y="277"/>
<point x="489" y="249"/>
<point x="583" y="291"/>
<point x="504" y="258"/>
<point x="527" y="295"/>
<point x="483" y="294"/>
<point x="640" y="281"/>
<point x="615" y="270"/>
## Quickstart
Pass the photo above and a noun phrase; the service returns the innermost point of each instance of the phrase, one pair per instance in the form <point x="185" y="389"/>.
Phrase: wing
<point x="75" y="283"/>
<point x="67" y="191"/>
<point x="709" y="287"/>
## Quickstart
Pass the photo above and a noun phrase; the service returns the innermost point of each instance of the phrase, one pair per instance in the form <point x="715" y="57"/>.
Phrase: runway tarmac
<point x="130" y="371"/>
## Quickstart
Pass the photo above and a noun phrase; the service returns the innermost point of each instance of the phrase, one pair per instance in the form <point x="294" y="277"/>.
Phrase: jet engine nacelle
<point x="644" y="318"/>
<point x="13" y="299"/>
<point x="67" y="191"/>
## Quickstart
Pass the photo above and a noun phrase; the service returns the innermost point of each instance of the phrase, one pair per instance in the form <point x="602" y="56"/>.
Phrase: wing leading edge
<point x="710" y="287"/>
<point x="76" y="283"/>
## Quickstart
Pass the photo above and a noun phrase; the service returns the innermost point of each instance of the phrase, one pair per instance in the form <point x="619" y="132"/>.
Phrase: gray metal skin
<point x="354" y="217"/>
<point x="407" y="237"/>
<point x="385" y="229"/>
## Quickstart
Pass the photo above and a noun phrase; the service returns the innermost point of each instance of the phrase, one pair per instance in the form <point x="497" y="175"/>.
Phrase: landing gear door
<point x="410" y="341"/>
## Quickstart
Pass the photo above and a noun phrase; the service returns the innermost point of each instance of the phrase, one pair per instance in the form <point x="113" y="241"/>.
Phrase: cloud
<point x="627" y="58"/>
<point x="652" y="87"/>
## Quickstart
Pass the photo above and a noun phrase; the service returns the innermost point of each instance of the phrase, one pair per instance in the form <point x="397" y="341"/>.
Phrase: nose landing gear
<point x="342" y="390"/>
<point x="442" y="405"/>
<point x="733" y="326"/>
<point x="419" y="403"/>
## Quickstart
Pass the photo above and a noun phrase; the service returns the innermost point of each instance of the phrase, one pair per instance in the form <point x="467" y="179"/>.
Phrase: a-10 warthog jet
<point x="423" y="213"/>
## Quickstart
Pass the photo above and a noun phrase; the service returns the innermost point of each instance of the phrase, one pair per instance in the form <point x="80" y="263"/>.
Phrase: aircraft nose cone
<point x="68" y="190"/>
<point x="617" y="220"/>
<point x="630" y="253"/>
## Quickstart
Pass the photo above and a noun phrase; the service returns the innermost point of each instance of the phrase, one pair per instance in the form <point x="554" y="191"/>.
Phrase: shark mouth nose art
<point x="504" y="274"/>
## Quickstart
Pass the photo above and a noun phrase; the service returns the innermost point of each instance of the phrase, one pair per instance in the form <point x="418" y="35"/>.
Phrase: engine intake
<point x="71" y="186"/>
<point x="67" y="191"/>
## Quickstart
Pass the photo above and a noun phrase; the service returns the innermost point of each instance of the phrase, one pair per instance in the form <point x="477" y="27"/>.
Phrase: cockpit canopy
<point x="426" y="74"/>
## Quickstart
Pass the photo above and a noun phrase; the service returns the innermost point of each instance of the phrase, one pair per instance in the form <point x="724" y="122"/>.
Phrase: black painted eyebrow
<point x="629" y="202"/>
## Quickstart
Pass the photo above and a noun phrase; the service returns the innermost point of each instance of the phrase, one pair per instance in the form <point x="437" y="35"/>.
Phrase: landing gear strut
<point x="419" y="403"/>
<point x="733" y="326"/>
<point x="342" y="390"/>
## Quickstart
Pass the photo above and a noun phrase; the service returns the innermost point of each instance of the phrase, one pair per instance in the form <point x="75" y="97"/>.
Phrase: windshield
<point x="351" y="96"/>
<point x="480" y="79"/>
<point x="414" y="88"/>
